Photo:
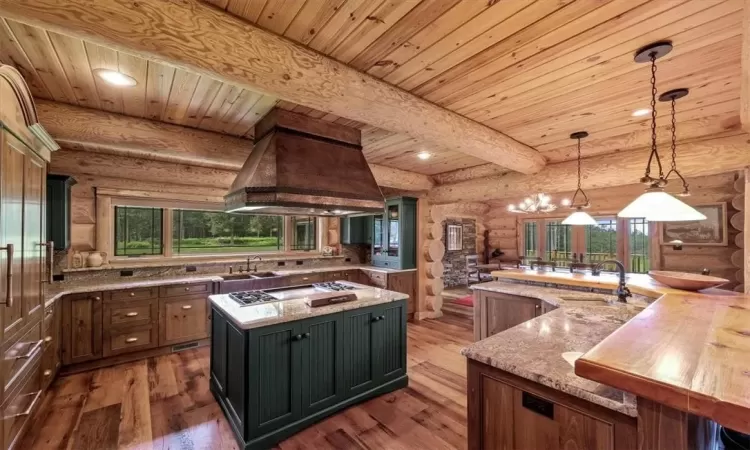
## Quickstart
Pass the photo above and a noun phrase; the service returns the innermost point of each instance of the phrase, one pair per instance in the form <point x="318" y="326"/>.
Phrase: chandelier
<point x="538" y="203"/>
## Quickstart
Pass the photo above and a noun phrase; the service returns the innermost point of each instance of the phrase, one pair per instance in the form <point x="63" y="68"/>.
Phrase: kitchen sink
<point x="249" y="275"/>
<point x="264" y="274"/>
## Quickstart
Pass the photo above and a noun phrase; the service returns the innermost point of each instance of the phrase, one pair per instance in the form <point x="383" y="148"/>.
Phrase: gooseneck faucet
<point x="622" y="291"/>
<point x="255" y="267"/>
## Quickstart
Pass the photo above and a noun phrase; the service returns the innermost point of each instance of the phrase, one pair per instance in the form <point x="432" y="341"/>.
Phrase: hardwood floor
<point x="165" y="403"/>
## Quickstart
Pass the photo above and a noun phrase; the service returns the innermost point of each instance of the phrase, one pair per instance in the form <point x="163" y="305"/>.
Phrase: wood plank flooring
<point x="165" y="403"/>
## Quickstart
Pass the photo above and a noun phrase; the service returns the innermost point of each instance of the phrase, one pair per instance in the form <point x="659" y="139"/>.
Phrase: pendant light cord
<point x="579" y="164"/>
<point x="685" y="186"/>
<point x="654" y="151"/>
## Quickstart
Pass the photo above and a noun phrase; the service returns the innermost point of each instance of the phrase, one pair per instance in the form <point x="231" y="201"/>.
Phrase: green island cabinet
<point x="274" y="381"/>
<point x="395" y="235"/>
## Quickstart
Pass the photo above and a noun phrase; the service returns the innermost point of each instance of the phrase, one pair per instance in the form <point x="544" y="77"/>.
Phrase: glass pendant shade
<point x="579" y="218"/>
<point x="655" y="205"/>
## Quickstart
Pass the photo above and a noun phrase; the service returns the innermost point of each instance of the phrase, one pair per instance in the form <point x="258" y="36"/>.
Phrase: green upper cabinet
<point x="356" y="230"/>
<point x="395" y="234"/>
<point x="58" y="210"/>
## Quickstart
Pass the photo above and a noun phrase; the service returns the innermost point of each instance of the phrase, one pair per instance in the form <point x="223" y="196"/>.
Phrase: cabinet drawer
<point x="131" y="294"/>
<point x="131" y="313"/>
<point x="306" y="278"/>
<point x="378" y="279"/>
<point x="19" y="355"/>
<point x="50" y="365"/>
<point x="119" y="341"/>
<point x="182" y="319"/>
<point x="185" y="289"/>
<point x="22" y="403"/>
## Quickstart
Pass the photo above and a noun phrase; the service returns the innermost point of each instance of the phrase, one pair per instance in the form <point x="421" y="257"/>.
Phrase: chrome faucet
<point x="255" y="267"/>
<point x="622" y="291"/>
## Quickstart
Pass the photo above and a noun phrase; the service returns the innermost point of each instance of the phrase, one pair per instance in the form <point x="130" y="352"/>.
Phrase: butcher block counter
<point x="688" y="351"/>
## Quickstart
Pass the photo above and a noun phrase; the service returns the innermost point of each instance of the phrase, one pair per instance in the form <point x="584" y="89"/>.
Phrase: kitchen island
<point x="630" y="364"/>
<point x="277" y="367"/>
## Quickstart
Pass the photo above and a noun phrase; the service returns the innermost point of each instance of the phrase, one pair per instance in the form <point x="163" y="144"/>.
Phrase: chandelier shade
<point x="655" y="205"/>
<point x="579" y="217"/>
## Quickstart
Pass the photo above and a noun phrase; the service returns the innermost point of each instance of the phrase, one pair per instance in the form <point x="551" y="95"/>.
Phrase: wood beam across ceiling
<point x="706" y="157"/>
<point x="205" y="40"/>
<point x="116" y="134"/>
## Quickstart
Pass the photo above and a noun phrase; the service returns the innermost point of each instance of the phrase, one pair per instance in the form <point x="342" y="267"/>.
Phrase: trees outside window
<point x="219" y="232"/>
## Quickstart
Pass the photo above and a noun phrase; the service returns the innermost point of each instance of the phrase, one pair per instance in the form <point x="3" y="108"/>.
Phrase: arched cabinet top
<point x="18" y="113"/>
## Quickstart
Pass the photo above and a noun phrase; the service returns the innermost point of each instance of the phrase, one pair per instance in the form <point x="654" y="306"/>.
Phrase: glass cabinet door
<point x="394" y="216"/>
<point x="377" y="235"/>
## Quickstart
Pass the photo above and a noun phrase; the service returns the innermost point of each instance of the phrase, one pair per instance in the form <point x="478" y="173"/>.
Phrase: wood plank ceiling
<point x="534" y="70"/>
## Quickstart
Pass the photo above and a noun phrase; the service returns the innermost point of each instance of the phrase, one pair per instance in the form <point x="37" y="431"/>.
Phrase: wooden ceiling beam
<point x="706" y="157"/>
<point x="116" y="134"/>
<point x="208" y="41"/>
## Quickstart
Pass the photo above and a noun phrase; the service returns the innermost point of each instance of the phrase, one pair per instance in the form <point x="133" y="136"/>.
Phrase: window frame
<point x="106" y="202"/>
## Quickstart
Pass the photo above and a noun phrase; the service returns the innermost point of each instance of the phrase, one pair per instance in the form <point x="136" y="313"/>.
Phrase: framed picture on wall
<point x="712" y="231"/>
<point x="454" y="237"/>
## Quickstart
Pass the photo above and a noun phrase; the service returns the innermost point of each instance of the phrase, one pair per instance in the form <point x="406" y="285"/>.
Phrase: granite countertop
<point x="533" y="349"/>
<point x="254" y="316"/>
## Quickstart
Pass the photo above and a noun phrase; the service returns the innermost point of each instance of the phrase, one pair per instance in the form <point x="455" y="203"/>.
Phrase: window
<point x="138" y="231"/>
<point x="304" y="233"/>
<point x="638" y="246"/>
<point x="219" y="232"/>
<point x="559" y="243"/>
<point x="601" y="240"/>
<point x="530" y="239"/>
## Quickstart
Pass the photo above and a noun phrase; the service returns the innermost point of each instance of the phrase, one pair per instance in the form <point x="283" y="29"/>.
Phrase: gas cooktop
<point x="331" y="286"/>
<point x="247" y="298"/>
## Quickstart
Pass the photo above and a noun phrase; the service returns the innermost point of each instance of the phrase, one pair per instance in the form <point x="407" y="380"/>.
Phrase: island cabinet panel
<point x="275" y="377"/>
<point x="498" y="312"/>
<point x="274" y="381"/>
<point x="82" y="319"/>
<point x="322" y="358"/>
<point x="508" y="412"/>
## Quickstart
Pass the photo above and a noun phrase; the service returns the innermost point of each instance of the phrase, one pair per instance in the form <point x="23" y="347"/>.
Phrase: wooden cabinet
<point x="508" y="412"/>
<point x="273" y="381"/>
<point x="395" y="235"/>
<point x="51" y="336"/>
<point x="183" y="319"/>
<point x="496" y="312"/>
<point x="82" y="327"/>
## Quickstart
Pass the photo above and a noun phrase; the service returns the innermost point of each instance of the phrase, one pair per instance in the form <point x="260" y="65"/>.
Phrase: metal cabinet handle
<point x="187" y="289"/>
<point x="96" y="299"/>
<point x="48" y="339"/>
<point x="9" y="276"/>
<point x="131" y="340"/>
<point x="47" y="373"/>
<point x="132" y="294"/>
<point x="187" y="306"/>
<point x="306" y="335"/>
<point x="297" y="337"/>
<point x="305" y="279"/>
<point x="29" y="408"/>
<point x="538" y="306"/>
<point x="31" y="352"/>
<point x="131" y="314"/>
<point x="49" y="247"/>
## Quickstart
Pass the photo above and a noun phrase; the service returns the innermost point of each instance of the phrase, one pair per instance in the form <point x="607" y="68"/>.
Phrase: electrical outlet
<point x="190" y="268"/>
<point x="126" y="273"/>
<point x="299" y="263"/>
<point x="281" y="263"/>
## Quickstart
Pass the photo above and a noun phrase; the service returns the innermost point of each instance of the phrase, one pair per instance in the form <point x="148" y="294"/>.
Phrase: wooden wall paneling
<point x="745" y="84"/>
<point x="746" y="249"/>
<point x="340" y="92"/>
<point x="311" y="18"/>
<point x="184" y="85"/>
<point x="203" y="96"/>
<point x="277" y="16"/>
<point x="134" y="104"/>
<point x="75" y="62"/>
<point x="105" y="225"/>
<point x="158" y="86"/>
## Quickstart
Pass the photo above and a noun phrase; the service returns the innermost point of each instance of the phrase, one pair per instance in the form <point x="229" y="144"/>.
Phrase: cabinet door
<point x="274" y="386"/>
<point x="33" y="238"/>
<point x="358" y="367"/>
<point x="12" y="171"/>
<point x="235" y="386"/>
<point x="219" y="350"/>
<point x="182" y="319"/>
<point x="82" y="325"/>
<point x="506" y="311"/>
<point x="389" y="343"/>
<point x="322" y="379"/>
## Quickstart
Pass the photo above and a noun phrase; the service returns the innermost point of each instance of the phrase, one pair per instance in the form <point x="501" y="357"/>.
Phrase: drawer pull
<point x="29" y="408"/>
<point x="47" y="373"/>
<point x="305" y="279"/>
<point x="187" y="306"/>
<point x="9" y="276"/>
<point x="132" y="294"/>
<point x="131" y="340"/>
<point x="48" y="339"/>
<point x="131" y="314"/>
<point x="96" y="299"/>
<point x="31" y="352"/>
<point x="187" y="289"/>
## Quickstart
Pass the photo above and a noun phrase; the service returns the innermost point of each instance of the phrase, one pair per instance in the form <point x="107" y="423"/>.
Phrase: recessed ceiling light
<point x="641" y="112"/>
<point x="424" y="155"/>
<point x="115" y="78"/>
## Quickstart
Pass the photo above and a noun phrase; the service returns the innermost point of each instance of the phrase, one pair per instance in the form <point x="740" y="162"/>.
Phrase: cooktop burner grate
<point x="247" y="298"/>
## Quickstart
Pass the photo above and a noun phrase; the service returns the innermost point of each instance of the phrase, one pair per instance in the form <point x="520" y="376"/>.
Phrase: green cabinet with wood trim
<point x="394" y="235"/>
<point x="276" y="380"/>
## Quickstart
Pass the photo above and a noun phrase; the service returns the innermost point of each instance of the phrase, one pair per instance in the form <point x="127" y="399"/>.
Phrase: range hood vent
<point x="304" y="166"/>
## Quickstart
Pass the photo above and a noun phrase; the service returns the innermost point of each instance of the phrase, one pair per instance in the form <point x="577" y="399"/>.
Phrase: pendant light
<point x="672" y="96"/>
<point x="655" y="205"/>
<point x="579" y="217"/>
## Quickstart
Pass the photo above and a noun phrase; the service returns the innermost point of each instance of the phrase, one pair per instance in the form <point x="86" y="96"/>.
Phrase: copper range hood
<point x="304" y="166"/>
